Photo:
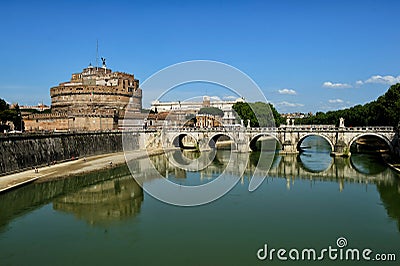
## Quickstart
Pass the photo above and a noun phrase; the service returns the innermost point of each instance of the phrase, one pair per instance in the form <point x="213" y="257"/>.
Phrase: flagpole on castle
<point x="97" y="54"/>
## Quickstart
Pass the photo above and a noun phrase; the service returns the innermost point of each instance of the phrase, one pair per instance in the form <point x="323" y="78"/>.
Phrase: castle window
<point x="130" y="89"/>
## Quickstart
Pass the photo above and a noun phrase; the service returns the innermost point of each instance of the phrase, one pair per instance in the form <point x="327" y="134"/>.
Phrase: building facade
<point x="229" y="117"/>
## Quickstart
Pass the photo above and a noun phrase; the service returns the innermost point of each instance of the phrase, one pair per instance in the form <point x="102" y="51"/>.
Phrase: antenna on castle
<point x="97" y="53"/>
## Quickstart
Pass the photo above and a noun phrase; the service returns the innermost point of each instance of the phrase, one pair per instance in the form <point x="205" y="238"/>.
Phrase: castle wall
<point x="89" y="99"/>
<point x="58" y="122"/>
<point x="22" y="152"/>
<point x="46" y="122"/>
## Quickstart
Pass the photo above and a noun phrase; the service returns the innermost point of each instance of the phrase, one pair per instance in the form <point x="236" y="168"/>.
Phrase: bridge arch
<point x="382" y="137"/>
<point x="177" y="139"/>
<point x="256" y="137"/>
<point x="214" y="138"/>
<point x="315" y="134"/>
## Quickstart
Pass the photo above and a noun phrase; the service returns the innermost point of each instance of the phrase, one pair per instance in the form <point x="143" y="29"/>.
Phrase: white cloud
<point x="359" y="82"/>
<point x="383" y="79"/>
<point x="328" y="84"/>
<point x="335" y="101"/>
<point x="287" y="91"/>
<point x="287" y="104"/>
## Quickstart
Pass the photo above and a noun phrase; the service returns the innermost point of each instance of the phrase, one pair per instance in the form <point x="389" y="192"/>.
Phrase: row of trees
<point x="9" y="115"/>
<point x="385" y="111"/>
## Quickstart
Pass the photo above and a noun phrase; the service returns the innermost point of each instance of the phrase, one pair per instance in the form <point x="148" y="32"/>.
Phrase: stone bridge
<point x="289" y="138"/>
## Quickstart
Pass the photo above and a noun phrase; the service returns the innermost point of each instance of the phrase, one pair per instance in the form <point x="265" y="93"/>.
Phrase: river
<point x="307" y="201"/>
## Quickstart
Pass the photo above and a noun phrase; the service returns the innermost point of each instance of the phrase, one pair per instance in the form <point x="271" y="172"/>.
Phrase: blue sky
<point x="304" y="55"/>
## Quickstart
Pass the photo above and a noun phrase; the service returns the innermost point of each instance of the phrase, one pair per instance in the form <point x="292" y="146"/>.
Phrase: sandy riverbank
<point x="71" y="168"/>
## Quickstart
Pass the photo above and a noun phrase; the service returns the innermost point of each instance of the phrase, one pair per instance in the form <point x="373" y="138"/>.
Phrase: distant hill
<point x="385" y="111"/>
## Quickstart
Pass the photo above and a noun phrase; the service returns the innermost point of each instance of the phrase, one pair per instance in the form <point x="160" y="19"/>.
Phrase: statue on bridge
<point x="341" y="122"/>
<point x="289" y="121"/>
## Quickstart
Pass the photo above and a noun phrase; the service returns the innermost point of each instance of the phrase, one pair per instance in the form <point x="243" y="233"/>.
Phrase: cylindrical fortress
<point x="92" y="100"/>
<point x="96" y="91"/>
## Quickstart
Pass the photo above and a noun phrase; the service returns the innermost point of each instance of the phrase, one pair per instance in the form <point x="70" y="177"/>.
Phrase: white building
<point x="226" y="106"/>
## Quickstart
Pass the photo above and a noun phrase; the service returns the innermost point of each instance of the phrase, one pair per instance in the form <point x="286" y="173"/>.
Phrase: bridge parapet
<point x="289" y="137"/>
<point x="307" y="128"/>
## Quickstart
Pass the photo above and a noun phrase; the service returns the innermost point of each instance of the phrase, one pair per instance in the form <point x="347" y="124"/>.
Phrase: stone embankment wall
<point x="23" y="152"/>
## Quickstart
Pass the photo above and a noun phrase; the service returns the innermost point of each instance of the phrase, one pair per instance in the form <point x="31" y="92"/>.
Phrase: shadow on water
<point x="99" y="196"/>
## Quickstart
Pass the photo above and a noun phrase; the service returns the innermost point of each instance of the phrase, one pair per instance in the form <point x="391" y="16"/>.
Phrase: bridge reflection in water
<point x="358" y="168"/>
<point x="363" y="169"/>
<point x="103" y="197"/>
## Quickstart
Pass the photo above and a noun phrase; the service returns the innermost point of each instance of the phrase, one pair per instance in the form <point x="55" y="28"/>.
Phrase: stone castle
<point x="94" y="99"/>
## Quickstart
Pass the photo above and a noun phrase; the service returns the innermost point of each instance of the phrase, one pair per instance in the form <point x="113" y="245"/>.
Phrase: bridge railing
<point x="307" y="128"/>
<point x="387" y="129"/>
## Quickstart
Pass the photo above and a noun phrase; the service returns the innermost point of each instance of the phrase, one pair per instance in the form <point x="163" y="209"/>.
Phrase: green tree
<point x="259" y="113"/>
<point x="382" y="112"/>
<point x="211" y="111"/>
<point x="245" y="113"/>
<point x="12" y="115"/>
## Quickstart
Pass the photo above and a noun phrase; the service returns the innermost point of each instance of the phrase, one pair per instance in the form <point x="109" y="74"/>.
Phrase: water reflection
<point x="390" y="196"/>
<point x="307" y="165"/>
<point x="28" y="198"/>
<point x="102" y="197"/>
<point x="368" y="164"/>
<point x="293" y="191"/>
<point x="103" y="203"/>
<point x="315" y="162"/>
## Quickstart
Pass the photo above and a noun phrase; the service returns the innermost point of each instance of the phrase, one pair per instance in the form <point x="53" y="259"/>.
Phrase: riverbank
<point x="70" y="168"/>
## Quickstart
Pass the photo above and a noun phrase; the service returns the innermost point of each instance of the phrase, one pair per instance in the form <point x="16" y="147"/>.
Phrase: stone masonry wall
<point x="23" y="152"/>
